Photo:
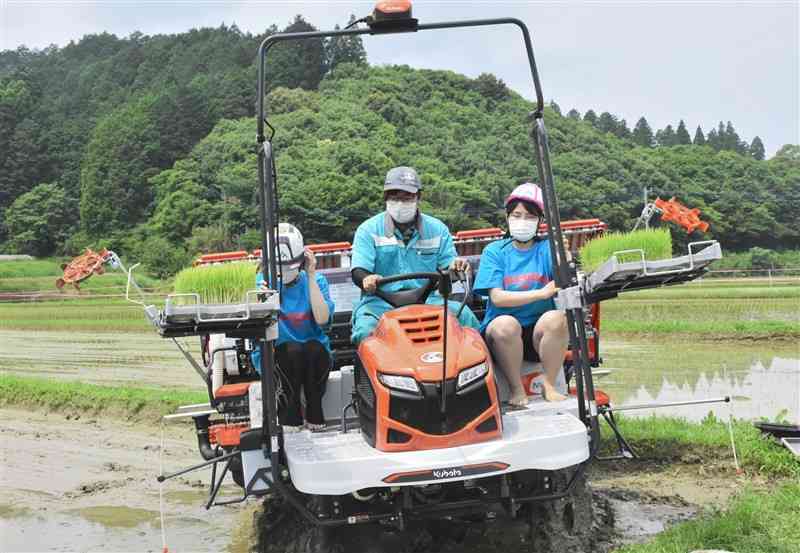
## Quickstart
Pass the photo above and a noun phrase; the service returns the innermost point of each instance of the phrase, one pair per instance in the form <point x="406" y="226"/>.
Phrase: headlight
<point x="403" y="383"/>
<point x="472" y="374"/>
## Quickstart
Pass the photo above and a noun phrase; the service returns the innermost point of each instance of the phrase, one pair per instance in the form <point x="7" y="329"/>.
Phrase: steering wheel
<point x="408" y="297"/>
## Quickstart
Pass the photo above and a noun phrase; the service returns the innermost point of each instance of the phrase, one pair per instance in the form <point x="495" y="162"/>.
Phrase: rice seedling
<point x="30" y="268"/>
<point x="656" y="244"/>
<point x="221" y="283"/>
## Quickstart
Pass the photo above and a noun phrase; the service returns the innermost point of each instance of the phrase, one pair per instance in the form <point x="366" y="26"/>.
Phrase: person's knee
<point x="503" y="330"/>
<point x="552" y="322"/>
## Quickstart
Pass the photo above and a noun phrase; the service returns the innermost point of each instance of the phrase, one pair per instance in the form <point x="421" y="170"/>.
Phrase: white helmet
<point x="291" y="250"/>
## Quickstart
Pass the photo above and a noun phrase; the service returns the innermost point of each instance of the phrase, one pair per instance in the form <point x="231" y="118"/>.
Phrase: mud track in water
<point x="89" y="485"/>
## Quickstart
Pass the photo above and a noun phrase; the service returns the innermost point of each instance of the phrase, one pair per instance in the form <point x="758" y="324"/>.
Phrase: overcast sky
<point x="698" y="61"/>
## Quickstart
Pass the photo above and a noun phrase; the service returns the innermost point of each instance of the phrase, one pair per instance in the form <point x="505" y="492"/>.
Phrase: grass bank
<point x="146" y="404"/>
<point x="672" y="439"/>
<point x="753" y="523"/>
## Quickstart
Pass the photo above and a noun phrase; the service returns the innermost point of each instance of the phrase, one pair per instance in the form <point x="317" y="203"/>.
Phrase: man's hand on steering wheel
<point x="370" y="283"/>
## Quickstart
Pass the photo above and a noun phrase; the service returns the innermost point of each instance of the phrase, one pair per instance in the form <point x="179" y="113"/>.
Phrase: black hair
<point x="530" y="207"/>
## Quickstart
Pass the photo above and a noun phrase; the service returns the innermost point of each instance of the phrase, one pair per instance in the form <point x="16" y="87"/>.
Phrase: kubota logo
<point x="446" y="473"/>
<point x="432" y="357"/>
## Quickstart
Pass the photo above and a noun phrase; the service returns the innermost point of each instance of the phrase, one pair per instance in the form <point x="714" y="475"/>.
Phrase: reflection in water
<point x="761" y="393"/>
<point x="666" y="369"/>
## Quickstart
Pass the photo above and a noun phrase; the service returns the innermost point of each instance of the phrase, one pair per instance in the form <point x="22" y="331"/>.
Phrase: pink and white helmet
<point x="527" y="192"/>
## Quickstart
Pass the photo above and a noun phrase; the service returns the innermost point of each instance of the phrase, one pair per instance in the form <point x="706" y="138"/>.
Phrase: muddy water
<point x="143" y="359"/>
<point x="90" y="486"/>
<point x="762" y="377"/>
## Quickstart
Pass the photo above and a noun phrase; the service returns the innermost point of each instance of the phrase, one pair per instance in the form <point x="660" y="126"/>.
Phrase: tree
<point x="699" y="138"/>
<point x="591" y="118"/>
<point x="713" y="139"/>
<point x="757" y="149"/>
<point x="607" y="122"/>
<point x="345" y="49"/>
<point x="682" y="135"/>
<point x="731" y="140"/>
<point x="120" y="157"/>
<point x="297" y="64"/>
<point x="622" y="130"/>
<point x="666" y="137"/>
<point x="39" y="221"/>
<point x="643" y="134"/>
<point x="574" y="114"/>
<point x="490" y="87"/>
<point x="555" y="107"/>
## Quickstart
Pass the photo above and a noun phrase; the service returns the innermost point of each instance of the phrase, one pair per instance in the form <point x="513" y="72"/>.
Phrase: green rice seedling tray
<point x="194" y="318"/>
<point x="613" y="277"/>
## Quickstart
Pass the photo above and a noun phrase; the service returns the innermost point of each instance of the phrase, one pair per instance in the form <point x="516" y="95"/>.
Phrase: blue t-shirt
<point x="504" y="266"/>
<point x="296" y="320"/>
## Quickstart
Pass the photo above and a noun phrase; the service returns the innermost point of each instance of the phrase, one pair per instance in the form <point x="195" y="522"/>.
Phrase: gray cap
<point x="402" y="178"/>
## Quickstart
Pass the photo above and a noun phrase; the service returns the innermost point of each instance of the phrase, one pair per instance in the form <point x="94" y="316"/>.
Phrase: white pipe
<point x="725" y="399"/>
<point x="217" y="341"/>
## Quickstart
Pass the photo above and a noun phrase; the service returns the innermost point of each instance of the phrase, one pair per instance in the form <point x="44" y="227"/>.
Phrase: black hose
<point x="203" y="443"/>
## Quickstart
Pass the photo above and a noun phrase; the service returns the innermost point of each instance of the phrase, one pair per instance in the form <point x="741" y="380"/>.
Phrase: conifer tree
<point x="682" y="135"/>
<point x="345" y="49"/>
<point x="591" y="118"/>
<point x="666" y="137"/>
<point x="574" y="114"/>
<point x="732" y="141"/>
<point x="713" y="139"/>
<point x="699" y="138"/>
<point x="622" y="130"/>
<point x="643" y="134"/>
<point x="757" y="149"/>
<point x="606" y="122"/>
<point x="721" y="137"/>
<point x="555" y="107"/>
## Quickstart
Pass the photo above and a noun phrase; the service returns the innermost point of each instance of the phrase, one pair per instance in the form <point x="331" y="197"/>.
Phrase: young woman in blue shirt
<point x="302" y="350"/>
<point x="516" y="275"/>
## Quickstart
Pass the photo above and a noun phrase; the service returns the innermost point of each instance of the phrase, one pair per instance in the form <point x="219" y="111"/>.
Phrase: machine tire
<point x="280" y="528"/>
<point x="565" y="524"/>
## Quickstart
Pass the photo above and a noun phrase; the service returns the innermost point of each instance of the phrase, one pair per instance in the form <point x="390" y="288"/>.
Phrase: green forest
<point x="146" y="145"/>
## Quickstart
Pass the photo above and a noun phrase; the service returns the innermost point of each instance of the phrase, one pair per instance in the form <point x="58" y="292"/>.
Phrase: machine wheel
<point x="566" y="524"/>
<point x="280" y="528"/>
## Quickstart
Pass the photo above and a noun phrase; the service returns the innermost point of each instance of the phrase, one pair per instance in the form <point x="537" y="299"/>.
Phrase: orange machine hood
<point x="408" y="341"/>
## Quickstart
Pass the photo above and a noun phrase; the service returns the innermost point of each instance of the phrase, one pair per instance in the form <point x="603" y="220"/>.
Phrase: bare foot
<point x="519" y="399"/>
<point x="549" y="393"/>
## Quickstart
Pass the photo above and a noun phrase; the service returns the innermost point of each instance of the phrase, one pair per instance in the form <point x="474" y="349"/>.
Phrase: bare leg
<point x="504" y="335"/>
<point x="551" y="338"/>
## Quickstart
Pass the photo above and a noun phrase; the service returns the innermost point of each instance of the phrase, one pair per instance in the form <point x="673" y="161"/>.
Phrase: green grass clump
<point x="754" y="523"/>
<point x="126" y="402"/>
<point x="668" y="438"/>
<point x="221" y="283"/>
<point x="656" y="243"/>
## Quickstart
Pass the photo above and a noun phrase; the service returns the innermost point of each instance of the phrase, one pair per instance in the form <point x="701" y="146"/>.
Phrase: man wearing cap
<point x="397" y="241"/>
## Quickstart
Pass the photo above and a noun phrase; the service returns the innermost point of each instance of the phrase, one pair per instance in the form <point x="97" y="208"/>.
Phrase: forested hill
<point x="147" y="145"/>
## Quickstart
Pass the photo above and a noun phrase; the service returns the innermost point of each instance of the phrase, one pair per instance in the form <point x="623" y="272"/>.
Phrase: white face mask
<point x="289" y="274"/>
<point x="523" y="230"/>
<point x="402" y="212"/>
